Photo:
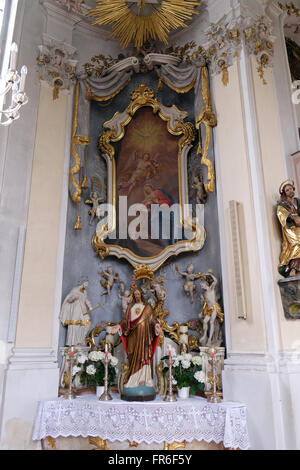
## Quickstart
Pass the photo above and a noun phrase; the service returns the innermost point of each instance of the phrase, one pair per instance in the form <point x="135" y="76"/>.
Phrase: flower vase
<point x="184" y="393"/>
<point x="99" y="390"/>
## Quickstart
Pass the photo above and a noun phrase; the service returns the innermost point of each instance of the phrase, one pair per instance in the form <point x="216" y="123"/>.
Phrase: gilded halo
<point x="141" y="25"/>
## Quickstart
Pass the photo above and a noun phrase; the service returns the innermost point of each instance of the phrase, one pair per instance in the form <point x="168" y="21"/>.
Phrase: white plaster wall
<point x="16" y="153"/>
<point x="232" y="168"/>
<point x="39" y="272"/>
<point x="93" y="41"/>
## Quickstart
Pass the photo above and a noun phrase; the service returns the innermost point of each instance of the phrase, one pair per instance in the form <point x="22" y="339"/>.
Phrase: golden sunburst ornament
<point x="142" y="25"/>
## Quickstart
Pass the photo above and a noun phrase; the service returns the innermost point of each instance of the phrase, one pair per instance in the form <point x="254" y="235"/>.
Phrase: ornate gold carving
<point x="90" y="340"/>
<point x="76" y="140"/>
<point x="98" y="243"/>
<point x="142" y="96"/>
<point x="290" y="8"/>
<point x="193" y="342"/>
<point x="208" y="118"/>
<point x="98" y="65"/>
<point x="99" y="443"/>
<point x="49" y="443"/>
<point x="78" y="224"/>
<point x="77" y="322"/>
<point x="260" y="43"/>
<point x="187" y="53"/>
<point x="143" y="272"/>
<point x="175" y="445"/>
<point x="104" y="143"/>
<point x="133" y="444"/>
<point x="173" y="331"/>
<point x="127" y="26"/>
<point x="264" y="61"/>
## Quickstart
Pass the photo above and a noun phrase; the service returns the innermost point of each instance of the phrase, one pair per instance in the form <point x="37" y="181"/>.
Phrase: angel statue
<point x="198" y="185"/>
<point x="76" y="4"/>
<point x="125" y="299"/>
<point x="288" y="213"/>
<point x="212" y="316"/>
<point x="94" y="201"/>
<point x="158" y="289"/>
<point x="110" y="278"/>
<point x="75" y="315"/>
<point x="189" y="285"/>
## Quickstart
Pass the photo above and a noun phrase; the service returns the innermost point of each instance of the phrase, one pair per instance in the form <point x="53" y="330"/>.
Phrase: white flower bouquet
<point x="187" y="372"/>
<point x="92" y="368"/>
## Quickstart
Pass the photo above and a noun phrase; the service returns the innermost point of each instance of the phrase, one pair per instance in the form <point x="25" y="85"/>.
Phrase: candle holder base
<point x="214" y="399"/>
<point x="105" y="396"/>
<point x="170" y="397"/>
<point x="70" y="395"/>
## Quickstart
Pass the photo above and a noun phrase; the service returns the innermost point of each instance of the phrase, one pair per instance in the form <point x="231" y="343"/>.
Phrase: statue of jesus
<point x="139" y="331"/>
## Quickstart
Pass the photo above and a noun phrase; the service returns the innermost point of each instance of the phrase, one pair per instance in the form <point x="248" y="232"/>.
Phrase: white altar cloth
<point x="156" y="421"/>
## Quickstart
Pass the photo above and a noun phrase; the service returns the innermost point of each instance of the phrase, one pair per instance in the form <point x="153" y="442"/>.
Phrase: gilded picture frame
<point x="114" y="132"/>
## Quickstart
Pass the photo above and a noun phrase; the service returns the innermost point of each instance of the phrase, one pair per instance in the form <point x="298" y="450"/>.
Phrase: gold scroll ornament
<point x="76" y="140"/>
<point x="208" y="118"/>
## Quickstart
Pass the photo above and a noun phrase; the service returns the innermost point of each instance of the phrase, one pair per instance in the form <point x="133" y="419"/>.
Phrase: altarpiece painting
<point x="149" y="169"/>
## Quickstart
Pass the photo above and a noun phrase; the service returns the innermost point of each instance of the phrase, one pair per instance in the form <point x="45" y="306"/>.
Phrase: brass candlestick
<point x="106" y="395"/>
<point x="70" y="395"/>
<point x="213" y="398"/>
<point x="170" y="395"/>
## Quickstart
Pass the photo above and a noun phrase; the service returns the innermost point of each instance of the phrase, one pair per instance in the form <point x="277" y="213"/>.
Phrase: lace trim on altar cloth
<point x="154" y="422"/>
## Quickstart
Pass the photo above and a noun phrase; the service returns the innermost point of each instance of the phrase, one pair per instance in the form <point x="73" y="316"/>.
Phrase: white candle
<point x="14" y="91"/>
<point x="24" y="72"/>
<point x="14" y="56"/>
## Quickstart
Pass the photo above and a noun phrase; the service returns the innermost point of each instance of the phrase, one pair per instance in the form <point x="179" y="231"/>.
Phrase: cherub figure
<point x="201" y="194"/>
<point x="77" y="4"/>
<point x="94" y="201"/>
<point x="125" y="298"/>
<point x="158" y="289"/>
<point x="189" y="285"/>
<point x="212" y="315"/>
<point x="146" y="168"/>
<point x="121" y="285"/>
<point x="110" y="277"/>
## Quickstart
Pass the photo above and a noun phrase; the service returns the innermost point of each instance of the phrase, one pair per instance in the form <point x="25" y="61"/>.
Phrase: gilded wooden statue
<point x="288" y="213"/>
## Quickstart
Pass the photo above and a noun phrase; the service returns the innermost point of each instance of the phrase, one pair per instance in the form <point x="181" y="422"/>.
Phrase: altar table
<point x="156" y="421"/>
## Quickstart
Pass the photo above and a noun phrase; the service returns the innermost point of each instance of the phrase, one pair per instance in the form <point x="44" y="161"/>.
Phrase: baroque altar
<point x="142" y="194"/>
